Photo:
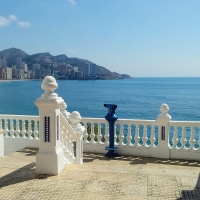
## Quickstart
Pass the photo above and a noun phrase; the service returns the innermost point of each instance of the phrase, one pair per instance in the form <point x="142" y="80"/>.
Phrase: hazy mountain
<point x="10" y="56"/>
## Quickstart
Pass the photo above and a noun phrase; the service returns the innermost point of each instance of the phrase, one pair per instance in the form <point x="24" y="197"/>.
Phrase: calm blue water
<point x="136" y="98"/>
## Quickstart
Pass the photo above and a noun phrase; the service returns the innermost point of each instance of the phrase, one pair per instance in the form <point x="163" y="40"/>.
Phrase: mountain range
<point x="9" y="57"/>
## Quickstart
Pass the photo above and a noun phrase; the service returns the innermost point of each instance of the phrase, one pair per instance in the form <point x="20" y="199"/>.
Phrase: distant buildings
<point x="37" y="71"/>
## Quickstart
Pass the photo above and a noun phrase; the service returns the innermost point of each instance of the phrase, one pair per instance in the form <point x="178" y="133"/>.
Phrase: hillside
<point x="9" y="57"/>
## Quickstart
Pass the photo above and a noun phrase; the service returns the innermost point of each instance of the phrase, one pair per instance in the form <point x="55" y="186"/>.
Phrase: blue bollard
<point x="111" y="118"/>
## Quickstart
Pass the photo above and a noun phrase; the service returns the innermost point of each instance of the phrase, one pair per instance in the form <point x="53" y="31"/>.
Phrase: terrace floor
<point x="100" y="178"/>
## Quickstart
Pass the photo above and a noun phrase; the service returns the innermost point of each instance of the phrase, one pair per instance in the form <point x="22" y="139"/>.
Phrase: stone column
<point x="162" y="150"/>
<point x="50" y="157"/>
<point x="1" y="143"/>
<point x="75" y="119"/>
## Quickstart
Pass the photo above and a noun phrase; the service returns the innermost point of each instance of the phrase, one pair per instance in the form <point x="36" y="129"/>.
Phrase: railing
<point x="143" y="137"/>
<point x="25" y="129"/>
<point x="20" y="131"/>
<point x="132" y="137"/>
<point x="127" y="132"/>
<point x="20" y="126"/>
<point x="184" y="135"/>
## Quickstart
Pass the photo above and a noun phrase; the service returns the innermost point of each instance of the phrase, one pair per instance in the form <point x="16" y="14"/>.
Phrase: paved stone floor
<point x="100" y="178"/>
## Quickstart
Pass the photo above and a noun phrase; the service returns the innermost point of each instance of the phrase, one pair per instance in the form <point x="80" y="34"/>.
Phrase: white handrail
<point x="68" y="127"/>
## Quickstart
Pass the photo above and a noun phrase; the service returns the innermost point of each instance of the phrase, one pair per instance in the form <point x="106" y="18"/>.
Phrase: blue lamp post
<point x="111" y="118"/>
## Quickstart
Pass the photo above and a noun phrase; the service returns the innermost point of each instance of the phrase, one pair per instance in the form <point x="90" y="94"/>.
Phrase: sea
<point x="137" y="98"/>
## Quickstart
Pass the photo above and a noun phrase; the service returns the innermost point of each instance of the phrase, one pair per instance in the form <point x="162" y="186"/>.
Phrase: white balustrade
<point x="20" y="126"/>
<point x="141" y="137"/>
<point x="132" y="136"/>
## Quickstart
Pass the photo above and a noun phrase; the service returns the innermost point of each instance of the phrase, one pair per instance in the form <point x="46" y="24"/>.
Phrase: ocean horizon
<point x="136" y="98"/>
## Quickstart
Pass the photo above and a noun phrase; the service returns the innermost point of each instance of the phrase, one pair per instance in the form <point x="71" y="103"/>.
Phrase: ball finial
<point x="49" y="84"/>
<point x="164" y="108"/>
<point x="75" y="118"/>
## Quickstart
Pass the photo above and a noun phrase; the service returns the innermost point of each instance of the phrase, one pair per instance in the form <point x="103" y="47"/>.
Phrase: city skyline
<point x="139" y="38"/>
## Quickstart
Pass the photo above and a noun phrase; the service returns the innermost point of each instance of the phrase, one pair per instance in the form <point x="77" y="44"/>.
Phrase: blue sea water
<point x="138" y="98"/>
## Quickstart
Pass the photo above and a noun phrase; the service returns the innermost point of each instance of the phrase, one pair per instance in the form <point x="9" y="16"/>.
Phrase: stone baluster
<point x="17" y="129"/>
<point x="67" y="151"/>
<point x="64" y="143"/>
<point x="192" y="138"/>
<point x="107" y="134"/>
<point x="137" y="137"/>
<point x="6" y="130"/>
<point x="153" y="138"/>
<point x="12" y="131"/>
<point x="71" y="147"/>
<point x="163" y="132"/>
<point x="36" y="132"/>
<point x="175" y="138"/>
<point x="62" y="136"/>
<point x="129" y="137"/>
<point x="86" y="134"/>
<point x="92" y="135"/>
<point x="30" y="132"/>
<point x="145" y="138"/>
<point x="50" y="151"/>
<point x="99" y="134"/>
<point x="121" y="135"/>
<point x="66" y="147"/>
<point x="24" y="129"/>
<point x="183" y="138"/>
<point x="75" y="119"/>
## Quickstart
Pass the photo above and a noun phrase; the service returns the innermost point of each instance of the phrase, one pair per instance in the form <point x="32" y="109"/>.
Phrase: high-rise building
<point x="72" y="74"/>
<point x="25" y="67"/>
<point x="79" y="75"/>
<point x="62" y="70"/>
<point x="2" y="73"/>
<point x="14" y="71"/>
<point x="87" y="70"/>
<point x="19" y="63"/>
<point x="8" y="73"/>
<point x="37" y="73"/>
<point x="20" y="74"/>
<point x="30" y="74"/>
<point x="93" y="70"/>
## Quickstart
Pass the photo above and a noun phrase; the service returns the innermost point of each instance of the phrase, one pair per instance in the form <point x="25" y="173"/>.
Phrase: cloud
<point x="23" y="24"/>
<point x="3" y="21"/>
<point x="72" y="2"/>
<point x="12" y="18"/>
<point x="71" y="50"/>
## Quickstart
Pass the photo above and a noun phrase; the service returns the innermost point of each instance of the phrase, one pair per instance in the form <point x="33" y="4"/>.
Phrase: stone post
<point x="75" y="119"/>
<point x="50" y="157"/>
<point x="1" y="143"/>
<point x="162" y="150"/>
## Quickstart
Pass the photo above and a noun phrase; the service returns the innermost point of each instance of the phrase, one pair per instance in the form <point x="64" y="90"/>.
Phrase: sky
<point x="142" y="38"/>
